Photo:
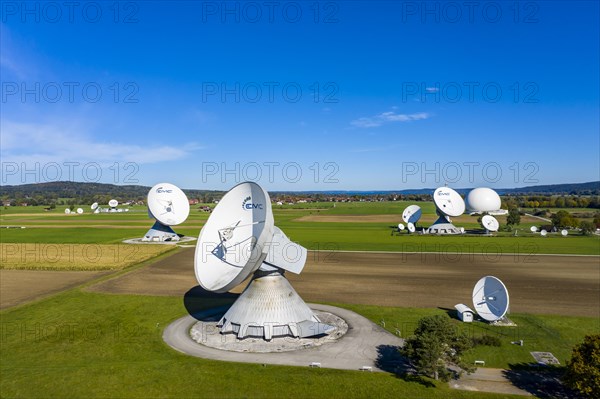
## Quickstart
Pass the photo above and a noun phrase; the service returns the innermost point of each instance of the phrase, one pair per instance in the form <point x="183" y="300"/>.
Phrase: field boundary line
<point x="453" y="252"/>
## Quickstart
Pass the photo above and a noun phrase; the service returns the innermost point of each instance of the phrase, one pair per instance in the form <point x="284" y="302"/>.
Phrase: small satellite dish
<point x="67" y="211"/>
<point x="543" y="233"/>
<point x="400" y="226"/>
<point x="94" y="206"/>
<point x="168" y="204"/>
<point x="490" y="298"/>
<point x="533" y="229"/>
<point x="79" y="211"/>
<point x="113" y="203"/>
<point x="564" y="233"/>
<point x="411" y="214"/>
<point x="490" y="223"/>
<point x="411" y="227"/>
<point x="170" y="207"/>
<point x="462" y="230"/>
<point x="448" y="202"/>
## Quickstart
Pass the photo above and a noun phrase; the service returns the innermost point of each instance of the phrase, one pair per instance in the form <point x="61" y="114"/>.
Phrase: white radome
<point x="483" y="199"/>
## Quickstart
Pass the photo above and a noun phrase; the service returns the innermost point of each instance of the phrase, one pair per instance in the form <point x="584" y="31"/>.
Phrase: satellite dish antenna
<point x="462" y="230"/>
<point x="94" y="206"/>
<point x="238" y="239"/>
<point x="67" y="211"/>
<point x="564" y="233"/>
<point x="543" y="233"/>
<point x="411" y="227"/>
<point x="170" y="207"/>
<point x="448" y="203"/>
<point x="411" y="214"/>
<point x="490" y="298"/>
<point x="113" y="203"/>
<point x="79" y="211"/>
<point x="400" y="226"/>
<point x="490" y="223"/>
<point x="533" y="229"/>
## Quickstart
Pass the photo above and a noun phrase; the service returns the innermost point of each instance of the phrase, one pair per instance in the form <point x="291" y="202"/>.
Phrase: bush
<point x="583" y="370"/>
<point x="487" y="340"/>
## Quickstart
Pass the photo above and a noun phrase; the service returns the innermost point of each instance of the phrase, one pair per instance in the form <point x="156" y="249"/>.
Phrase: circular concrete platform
<point x="183" y="239"/>
<point x="364" y="344"/>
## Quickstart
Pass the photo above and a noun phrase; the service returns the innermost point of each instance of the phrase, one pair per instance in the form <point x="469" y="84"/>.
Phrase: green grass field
<point x="112" y="228"/>
<point x="81" y="344"/>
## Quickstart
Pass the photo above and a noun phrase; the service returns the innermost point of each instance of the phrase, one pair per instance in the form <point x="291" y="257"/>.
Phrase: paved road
<point x="360" y="346"/>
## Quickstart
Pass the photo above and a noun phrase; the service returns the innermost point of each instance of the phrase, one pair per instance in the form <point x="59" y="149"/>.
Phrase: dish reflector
<point x="232" y="243"/>
<point x="168" y="204"/>
<point x="411" y="214"/>
<point x="67" y="211"/>
<point x="113" y="203"/>
<point x="79" y="211"/>
<point x="448" y="202"/>
<point x="490" y="298"/>
<point x="411" y="227"/>
<point x="564" y="233"/>
<point x="94" y="206"/>
<point x="400" y="226"/>
<point x="490" y="223"/>
<point x="543" y="233"/>
<point x="533" y="229"/>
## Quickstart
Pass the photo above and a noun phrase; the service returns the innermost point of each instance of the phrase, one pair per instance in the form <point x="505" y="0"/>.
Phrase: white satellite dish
<point x="533" y="229"/>
<point x="411" y="227"/>
<point x="94" y="206"/>
<point x="170" y="207"/>
<point x="490" y="223"/>
<point x="448" y="203"/>
<point x="400" y="226"/>
<point x="67" y="211"/>
<point x="238" y="239"/>
<point x="462" y="230"/>
<point x="113" y="203"/>
<point x="543" y="233"/>
<point x="564" y="233"/>
<point x="411" y="214"/>
<point x="490" y="298"/>
<point x="79" y="211"/>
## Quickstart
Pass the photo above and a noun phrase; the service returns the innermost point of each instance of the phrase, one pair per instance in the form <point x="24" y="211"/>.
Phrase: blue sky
<point x="303" y="95"/>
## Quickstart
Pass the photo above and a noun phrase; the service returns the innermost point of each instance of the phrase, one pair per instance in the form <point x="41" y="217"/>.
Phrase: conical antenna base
<point x="443" y="225"/>
<point x="270" y="307"/>
<point x="160" y="232"/>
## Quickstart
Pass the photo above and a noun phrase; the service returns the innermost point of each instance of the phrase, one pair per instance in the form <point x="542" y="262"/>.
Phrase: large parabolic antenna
<point x="490" y="298"/>
<point x="490" y="223"/>
<point x="448" y="203"/>
<point x="240" y="239"/>
<point x="170" y="207"/>
<point x="411" y="214"/>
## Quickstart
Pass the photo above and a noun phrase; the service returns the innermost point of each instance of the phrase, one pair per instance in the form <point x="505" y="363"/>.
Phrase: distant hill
<point x="44" y="193"/>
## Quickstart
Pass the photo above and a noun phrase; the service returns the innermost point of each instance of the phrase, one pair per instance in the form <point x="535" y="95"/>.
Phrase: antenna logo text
<point x="160" y="190"/>
<point x="248" y="205"/>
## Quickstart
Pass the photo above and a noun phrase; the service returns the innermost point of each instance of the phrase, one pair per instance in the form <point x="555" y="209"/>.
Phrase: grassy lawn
<point x="556" y="334"/>
<point x="81" y="344"/>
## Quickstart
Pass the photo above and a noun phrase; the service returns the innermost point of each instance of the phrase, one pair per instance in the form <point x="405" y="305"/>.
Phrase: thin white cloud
<point x="35" y="142"/>
<point x="432" y="89"/>
<point x="388" y="117"/>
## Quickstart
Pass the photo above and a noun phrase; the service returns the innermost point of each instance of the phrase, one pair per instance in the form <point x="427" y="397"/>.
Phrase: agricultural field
<point x="65" y="317"/>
